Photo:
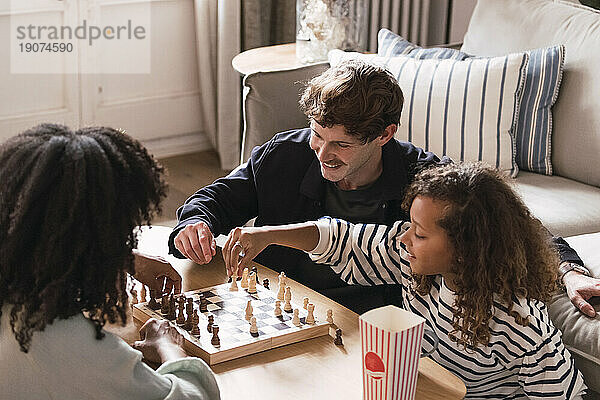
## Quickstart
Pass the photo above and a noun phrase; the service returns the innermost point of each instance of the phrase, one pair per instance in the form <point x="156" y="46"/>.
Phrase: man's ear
<point x="387" y="134"/>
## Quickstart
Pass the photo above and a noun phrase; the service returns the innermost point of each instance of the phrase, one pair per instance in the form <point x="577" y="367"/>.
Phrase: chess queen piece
<point x="287" y="307"/>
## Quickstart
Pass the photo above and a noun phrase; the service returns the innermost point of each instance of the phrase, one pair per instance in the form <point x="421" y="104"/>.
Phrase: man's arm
<point x="217" y="208"/>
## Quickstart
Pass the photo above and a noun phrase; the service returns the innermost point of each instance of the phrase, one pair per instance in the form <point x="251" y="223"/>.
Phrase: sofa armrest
<point x="270" y="103"/>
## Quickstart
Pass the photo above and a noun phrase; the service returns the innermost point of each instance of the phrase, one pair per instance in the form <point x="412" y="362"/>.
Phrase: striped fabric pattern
<point x="533" y="132"/>
<point x="465" y="109"/>
<point x="518" y="363"/>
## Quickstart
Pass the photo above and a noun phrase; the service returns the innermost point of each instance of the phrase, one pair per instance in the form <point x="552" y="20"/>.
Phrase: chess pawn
<point x="277" y="310"/>
<point x="234" y="286"/>
<point x="195" y="321"/>
<point x="215" y="341"/>
<point x="296" y="317"/>
<point x="280" y="293"/>
<point x="266" y="283"/>
<point x="253" y="327"/>
<point x="305" y="300"/>
<point x="252" y="283"/>
<point x="180" y="315"/>
<point x="310" y="317"/>
<point x="330" y="316"/>
<point x="153" y="304"/>
<point x="249" y="310"/>
<point x="287" y="307"/>
<point x="211" y="321"/>
<point x="338" y="337"/>
<point x="244" y="283"/>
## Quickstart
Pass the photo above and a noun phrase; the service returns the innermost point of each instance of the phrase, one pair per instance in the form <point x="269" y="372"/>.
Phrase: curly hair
<point x="362" y="97"/>
<point x="69" y="202"/>
<point x="500" y="249"/>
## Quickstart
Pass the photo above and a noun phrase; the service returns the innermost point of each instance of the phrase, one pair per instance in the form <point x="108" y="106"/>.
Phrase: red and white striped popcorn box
<point x="391" y="348"/>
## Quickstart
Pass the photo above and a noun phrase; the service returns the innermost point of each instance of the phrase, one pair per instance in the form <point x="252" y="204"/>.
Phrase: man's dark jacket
<point x="282" y="183"/>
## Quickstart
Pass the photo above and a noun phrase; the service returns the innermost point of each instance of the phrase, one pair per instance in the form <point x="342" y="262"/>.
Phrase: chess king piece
<point x="287" y="307"/>
<point x="252" y="283"/>
<point x="249" y="310"/>
<point x="266" y="283"/>
<point x="211" y="321"/>
<point x="277" y="310"/>
<point x="310" y="317"/>
<point x="305" y="301"/>
<point x="215" y="341"/>
<point x="296" y="317"/>
<point x="234" y="286"/>
<point x="338" y="337"/>
<point x="330" y="316"/>
<point x="195" y="321"/>
<point x="253" y="327"/>
<point x="244" y="283"/>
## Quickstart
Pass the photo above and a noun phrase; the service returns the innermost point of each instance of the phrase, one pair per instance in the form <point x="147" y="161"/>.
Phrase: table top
<point x="306" y="369"/>
<point x="267" y="59"/>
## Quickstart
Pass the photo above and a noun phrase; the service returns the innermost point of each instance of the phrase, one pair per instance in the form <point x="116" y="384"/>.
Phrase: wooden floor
<point x="186" y="174"/>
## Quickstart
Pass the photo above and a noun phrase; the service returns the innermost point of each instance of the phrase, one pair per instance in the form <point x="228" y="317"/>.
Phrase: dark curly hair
<point x="362" y="97"/>
<point x="500" y="249"/>
<point x="69" y="202"/>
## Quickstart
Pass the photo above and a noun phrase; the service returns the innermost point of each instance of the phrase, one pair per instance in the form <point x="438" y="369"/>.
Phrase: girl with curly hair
<point x="69" y="203"/>
<point x="472" y="261"/>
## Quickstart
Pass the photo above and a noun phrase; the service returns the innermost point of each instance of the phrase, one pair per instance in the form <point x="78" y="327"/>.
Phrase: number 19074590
<point x="39" y="47"/>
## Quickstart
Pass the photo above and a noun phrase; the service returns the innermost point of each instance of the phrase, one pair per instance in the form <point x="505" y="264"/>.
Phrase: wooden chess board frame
<point x="232" y="348"/>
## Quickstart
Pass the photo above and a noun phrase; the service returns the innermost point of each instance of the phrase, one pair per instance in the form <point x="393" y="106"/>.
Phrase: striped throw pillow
<point x="463" y="109"/>
<point x="533" y="133"/>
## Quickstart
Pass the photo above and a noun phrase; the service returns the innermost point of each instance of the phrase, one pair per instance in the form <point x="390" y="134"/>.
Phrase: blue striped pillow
<point x="465" y="109"/>
<point x="533" y="132"/>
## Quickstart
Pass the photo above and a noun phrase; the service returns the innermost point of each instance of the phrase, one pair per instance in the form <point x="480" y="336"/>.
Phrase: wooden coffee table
<point x="314" y="368"/>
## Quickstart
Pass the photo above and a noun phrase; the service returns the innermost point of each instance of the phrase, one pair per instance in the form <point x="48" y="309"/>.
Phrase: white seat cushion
<point x="565" y="207"/>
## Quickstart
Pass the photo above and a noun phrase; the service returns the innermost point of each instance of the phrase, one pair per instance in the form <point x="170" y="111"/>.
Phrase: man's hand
<point x="160" y="342"/>
<point x="242" y="245"/>
<point x="581" y="288"/>
<point x="156" y="273"/>
<point x="196" y="242"/>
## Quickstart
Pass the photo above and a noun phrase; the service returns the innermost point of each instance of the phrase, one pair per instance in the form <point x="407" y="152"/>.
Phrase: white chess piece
<point x="134" y="297"/>
<point x="253" y="327"/>
<point x="305" y="302"/>
<point x="310" y="317"/>
<point x="143" y="293"/>
<point x="277" y="310"/>
<point x="330" y="316"/>
<point x="288" y="299"/>
<point x="249" y="310"/>
<point x="244" y="283"/>
<point x="252" y="283"/>
<point x="281" y="292"/>
<point x="282" y="278"/>
<point x="234" y="286"/>
<point x="296" y="318"/>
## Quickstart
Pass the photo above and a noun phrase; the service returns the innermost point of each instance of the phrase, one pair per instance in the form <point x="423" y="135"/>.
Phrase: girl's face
<point x="429" y="249"/>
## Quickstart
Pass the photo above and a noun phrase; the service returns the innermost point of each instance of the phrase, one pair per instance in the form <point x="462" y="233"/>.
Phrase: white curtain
<point x="218" y="40"/>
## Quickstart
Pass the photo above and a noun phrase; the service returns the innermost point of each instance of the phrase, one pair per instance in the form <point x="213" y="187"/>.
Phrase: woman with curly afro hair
<point x="69" y="203"/>
<point x="472" y="261"/>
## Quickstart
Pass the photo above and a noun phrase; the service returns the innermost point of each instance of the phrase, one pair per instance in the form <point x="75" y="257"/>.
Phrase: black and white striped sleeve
<point x="364" y="254"/>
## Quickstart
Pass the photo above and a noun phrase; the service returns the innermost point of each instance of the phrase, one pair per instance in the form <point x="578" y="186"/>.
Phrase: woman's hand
<point x="160" y="341"/>
<point x="242" y="245"/>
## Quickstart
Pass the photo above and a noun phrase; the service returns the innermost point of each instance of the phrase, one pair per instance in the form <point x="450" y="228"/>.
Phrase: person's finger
<point x="177" y="286"/>
<point x="144" y="328"/>
<point x="227" y="249"/>
<point x="583" y="306"/>
<point x="205" y="243"/>
<point x="214" y="247"/>
<point x="189" y="251"/>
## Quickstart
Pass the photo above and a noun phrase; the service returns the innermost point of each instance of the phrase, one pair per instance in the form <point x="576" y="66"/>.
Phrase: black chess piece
<point x="211" y="321"/>
<point x="338" y="337"/>
<point x="153" y="304"/>
<point x="266" y="283"/>
<point x="203" y="304"/>
<point x="215" y="341"/>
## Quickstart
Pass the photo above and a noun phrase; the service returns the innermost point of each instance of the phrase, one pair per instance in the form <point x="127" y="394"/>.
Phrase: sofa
<point x="567" y="201"/>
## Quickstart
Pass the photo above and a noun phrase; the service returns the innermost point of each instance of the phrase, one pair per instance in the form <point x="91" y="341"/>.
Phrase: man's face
<point x="344" y="158"/>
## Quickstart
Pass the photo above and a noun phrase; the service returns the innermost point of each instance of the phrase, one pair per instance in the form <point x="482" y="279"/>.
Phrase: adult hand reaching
<point x="242" y="245"/>
<point x="196" y="242"/>
<point x="160" y="341"/>
<point x="156" y="273"/>
<point x="581" y="288"/>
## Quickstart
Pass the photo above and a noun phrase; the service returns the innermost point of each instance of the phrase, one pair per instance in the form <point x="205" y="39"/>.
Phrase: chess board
<point x="229" y="313"/>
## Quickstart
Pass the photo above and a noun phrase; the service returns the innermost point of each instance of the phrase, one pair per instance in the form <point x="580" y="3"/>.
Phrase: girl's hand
<point x="242" y="245"/>
<point x="160" y="342"/>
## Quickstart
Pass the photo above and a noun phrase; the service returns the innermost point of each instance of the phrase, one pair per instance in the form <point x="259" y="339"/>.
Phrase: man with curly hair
<point x="347" y="165"/>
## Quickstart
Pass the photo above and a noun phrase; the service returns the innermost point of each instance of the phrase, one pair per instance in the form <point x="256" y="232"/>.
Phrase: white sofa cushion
<point x="581" y="334"/>
<point x="564" y="206"/>
<point x="502" y="26"/>
<point x="466" y="110"/>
